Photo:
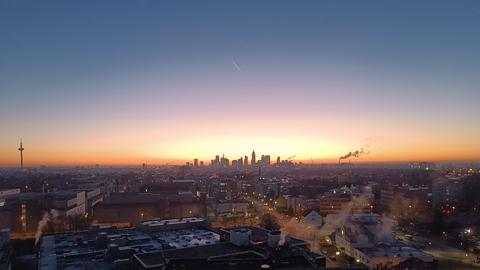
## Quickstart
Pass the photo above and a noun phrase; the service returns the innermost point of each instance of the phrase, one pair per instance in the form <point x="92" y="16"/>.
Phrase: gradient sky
<point x="121" y="82"/>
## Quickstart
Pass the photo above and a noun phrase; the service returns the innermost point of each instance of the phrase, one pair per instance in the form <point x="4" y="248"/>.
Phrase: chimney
<point x="112" y="252"/>
<point x="102" y="240"/>
<point x="240" y="237"/>
<point x="274" y="238"/>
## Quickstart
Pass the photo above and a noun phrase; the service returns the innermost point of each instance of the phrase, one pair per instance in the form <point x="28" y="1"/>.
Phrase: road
<point x="447" y="255"/>
<point x="261" y="209"/>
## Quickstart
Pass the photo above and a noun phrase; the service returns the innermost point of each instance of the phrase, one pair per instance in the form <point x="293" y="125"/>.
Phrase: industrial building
<point x="127" y="209"/>
<point x="184" y="243"/>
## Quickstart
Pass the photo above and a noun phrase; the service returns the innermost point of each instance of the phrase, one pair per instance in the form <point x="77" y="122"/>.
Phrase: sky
<point x="124" y="82"/>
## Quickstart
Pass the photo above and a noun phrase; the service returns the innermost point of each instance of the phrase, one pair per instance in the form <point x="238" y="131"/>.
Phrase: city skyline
<point x="212" y="134"/>
<point x="120" y="83"/>
<point x="355" y="156"/>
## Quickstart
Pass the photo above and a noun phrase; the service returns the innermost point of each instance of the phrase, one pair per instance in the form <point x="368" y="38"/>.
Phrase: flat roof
<point x="158" y="257"/>
<point x="180" y="239"/>
<point x="261" y="235"/>
<point x="397" y="251"/>
<point x="154" y="223"/>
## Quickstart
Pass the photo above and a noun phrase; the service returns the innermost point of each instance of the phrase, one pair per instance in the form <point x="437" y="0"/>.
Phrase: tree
<point x="269" y="222"/>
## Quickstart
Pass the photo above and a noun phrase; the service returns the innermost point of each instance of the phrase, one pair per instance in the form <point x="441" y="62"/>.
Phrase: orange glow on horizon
<point x="168" y="152"/>
<point x="174" y="142"/>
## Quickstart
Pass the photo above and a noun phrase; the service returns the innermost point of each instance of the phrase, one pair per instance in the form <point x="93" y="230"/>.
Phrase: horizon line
<point x="177" y="164"/>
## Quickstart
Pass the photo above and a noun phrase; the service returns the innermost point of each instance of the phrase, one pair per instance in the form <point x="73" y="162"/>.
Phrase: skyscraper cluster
<point x="242" y="162"/>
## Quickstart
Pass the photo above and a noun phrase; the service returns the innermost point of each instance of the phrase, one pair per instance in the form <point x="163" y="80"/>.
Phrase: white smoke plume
<point x="48" y="218"/>
<point x="402" y="207"/>
<point x="314" y="235"/>
<point x="333" y="222"/>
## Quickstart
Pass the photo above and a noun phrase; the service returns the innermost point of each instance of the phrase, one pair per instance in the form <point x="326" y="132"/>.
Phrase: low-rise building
<point x="186" y="243"/>
<point x="231" y="208"/>
<point x="5" y="249"/>
<point x="346" y="200"/>
<point x="368" y="238"/>
<point x="405" y="202"/>
<point x="127" y="209"/>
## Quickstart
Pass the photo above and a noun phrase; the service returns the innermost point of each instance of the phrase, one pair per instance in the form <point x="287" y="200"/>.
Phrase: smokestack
<point x="240" y="237"/>
<point x="102" y="240"/>
<point x="112" y="252"/>
<point x="274" y="238"/>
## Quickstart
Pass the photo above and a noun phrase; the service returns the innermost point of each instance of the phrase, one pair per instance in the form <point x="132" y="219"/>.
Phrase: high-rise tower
<point x="21" y="154"/>
<point x="254" y="159"/>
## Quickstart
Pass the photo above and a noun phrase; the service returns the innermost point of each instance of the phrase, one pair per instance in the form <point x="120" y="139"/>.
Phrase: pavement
<point x="447" y="255"/>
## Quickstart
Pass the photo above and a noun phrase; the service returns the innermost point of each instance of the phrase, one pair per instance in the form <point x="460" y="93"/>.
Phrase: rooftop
<point x="179" y="239"/>
<point x="192" y="246"/>
<point x="397" y="251"/>
<point x="163" y="222"/>
<point x="93" y="248"/>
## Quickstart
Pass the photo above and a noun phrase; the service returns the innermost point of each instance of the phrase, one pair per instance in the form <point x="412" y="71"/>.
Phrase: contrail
<point x="236" y="66"/>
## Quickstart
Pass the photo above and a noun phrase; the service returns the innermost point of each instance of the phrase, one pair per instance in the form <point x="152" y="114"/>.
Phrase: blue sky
<point x="80" y="67"/>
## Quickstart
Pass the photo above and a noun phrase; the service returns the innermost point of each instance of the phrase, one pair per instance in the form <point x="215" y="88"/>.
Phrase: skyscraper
<point x="278" y="160"/>
<point x="226" y="162"/>
<point x="195" y="162"/>
<point x="265" y="160"/>
<point x="245" y="161"/>
<point x="217" y="160"/>
<point x="222" y="161"/>
<point x="21" y="154"/>
<point x="254" y="160"/>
